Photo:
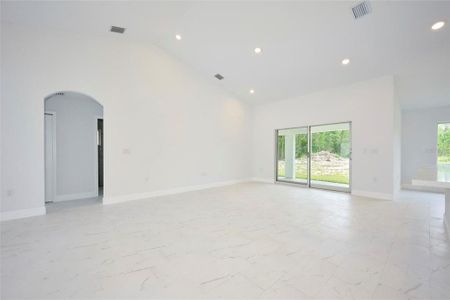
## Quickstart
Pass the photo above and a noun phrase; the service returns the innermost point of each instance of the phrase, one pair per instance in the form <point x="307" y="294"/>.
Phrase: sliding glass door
<point x="292" y="153"/>
<point x="330" y="156"/>
<point x="317" y="156"/>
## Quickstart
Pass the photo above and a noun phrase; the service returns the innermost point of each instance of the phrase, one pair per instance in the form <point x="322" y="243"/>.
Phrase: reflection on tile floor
<point x="244" y="241"/>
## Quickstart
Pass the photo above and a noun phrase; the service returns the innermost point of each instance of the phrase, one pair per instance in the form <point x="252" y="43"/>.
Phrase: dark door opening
<point x="100" y="154"/>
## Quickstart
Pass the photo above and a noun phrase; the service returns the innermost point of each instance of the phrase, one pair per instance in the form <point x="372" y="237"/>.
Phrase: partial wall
<point x="167" y="126"/>
<point x="369" y="105"/>
<point x="419" y="142"/>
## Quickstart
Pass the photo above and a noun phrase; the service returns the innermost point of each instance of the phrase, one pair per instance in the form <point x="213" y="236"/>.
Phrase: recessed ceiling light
<point x="258" y="50"/>
<point x="252" y="91"/>
<point x="345" y="61"/>
<point x="178" y="37"/>
<point x="438" y="25"/>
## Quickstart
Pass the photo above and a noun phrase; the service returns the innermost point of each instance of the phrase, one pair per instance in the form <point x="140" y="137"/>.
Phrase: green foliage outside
<point x="336" y="142"/>
<point x="301" y="146"/>
<point x="444" y="143"/>
<point x="281" y="147"/>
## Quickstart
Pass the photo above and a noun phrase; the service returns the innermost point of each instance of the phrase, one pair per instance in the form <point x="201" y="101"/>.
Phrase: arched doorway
<point x="73" y="147"/>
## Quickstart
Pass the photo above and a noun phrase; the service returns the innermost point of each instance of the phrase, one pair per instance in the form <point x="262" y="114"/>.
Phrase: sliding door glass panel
<point x="330" y="156"/>
<point x="443" y="146"/>
<point x="292" y="155"/>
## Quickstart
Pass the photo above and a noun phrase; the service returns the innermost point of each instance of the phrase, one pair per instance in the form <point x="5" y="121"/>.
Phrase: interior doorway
<point x="100" y="155"/>
<point x="74" y="146"/>
<point x="50" y="156"/>
<point x="316" y="156"/>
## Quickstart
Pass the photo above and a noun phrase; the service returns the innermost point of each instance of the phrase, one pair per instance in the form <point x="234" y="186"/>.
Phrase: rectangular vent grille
<point x="218" y="76"/>
<point x="117" y="29"/>
<point x="362" y="9"/>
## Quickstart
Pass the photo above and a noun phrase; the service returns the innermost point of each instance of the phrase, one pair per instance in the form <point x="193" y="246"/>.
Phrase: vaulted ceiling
<point x="303" y="43"/>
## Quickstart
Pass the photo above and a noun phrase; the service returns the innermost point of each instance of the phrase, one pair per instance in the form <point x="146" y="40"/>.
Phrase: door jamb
<point x="52" y="113"/>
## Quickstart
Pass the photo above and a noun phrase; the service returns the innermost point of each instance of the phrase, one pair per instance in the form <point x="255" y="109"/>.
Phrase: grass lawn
<point x="444" y="159"/>
<point x="335" y="178"/>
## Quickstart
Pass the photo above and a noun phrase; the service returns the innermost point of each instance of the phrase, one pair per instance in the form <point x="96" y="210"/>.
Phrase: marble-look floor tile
<point x="247" y="241"/>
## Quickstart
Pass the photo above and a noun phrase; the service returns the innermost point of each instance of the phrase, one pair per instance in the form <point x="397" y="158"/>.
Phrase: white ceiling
<point x="303" y="42"/>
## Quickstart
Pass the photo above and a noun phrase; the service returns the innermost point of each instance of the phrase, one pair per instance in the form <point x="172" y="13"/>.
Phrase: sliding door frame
<point x="308" y="180"/>
<point x="306" y="184"/>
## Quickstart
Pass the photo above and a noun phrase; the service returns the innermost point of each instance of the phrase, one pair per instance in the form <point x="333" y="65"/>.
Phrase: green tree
<point x="444" y="142"/>
<point x="301" y="145"/>
<point x="336" y="142"/>
<point x="281" y="147"/>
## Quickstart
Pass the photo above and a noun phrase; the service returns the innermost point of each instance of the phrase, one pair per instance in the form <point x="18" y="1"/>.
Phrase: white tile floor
<point x="244" y="241"/>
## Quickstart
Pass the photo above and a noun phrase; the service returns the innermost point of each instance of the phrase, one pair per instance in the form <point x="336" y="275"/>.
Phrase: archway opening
<point x="73" y="147"/>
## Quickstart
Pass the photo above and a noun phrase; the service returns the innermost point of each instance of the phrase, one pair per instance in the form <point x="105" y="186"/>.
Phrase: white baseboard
<point x="68" y="197"/>
<point x="265" y="180"/>
<point x="139" y="196"/>
<point x="22" y="213"/>
<point x="374" y="195"/>
<point x="408" y="186"/>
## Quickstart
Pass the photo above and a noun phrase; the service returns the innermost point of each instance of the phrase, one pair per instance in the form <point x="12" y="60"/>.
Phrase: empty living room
<point x="225" y="149"/>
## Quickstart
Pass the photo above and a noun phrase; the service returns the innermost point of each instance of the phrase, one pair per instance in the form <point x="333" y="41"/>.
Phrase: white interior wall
<point x="369" y="105"/>
<point x="419" y="142"/>
<point x="167" y="127"/>
<point x="76" y="145"/>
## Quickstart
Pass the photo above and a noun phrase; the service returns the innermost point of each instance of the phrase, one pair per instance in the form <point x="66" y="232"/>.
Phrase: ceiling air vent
<point x="117" y="29"/>
<point x="218" y="76"/>
<point x="362" y="9"/>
